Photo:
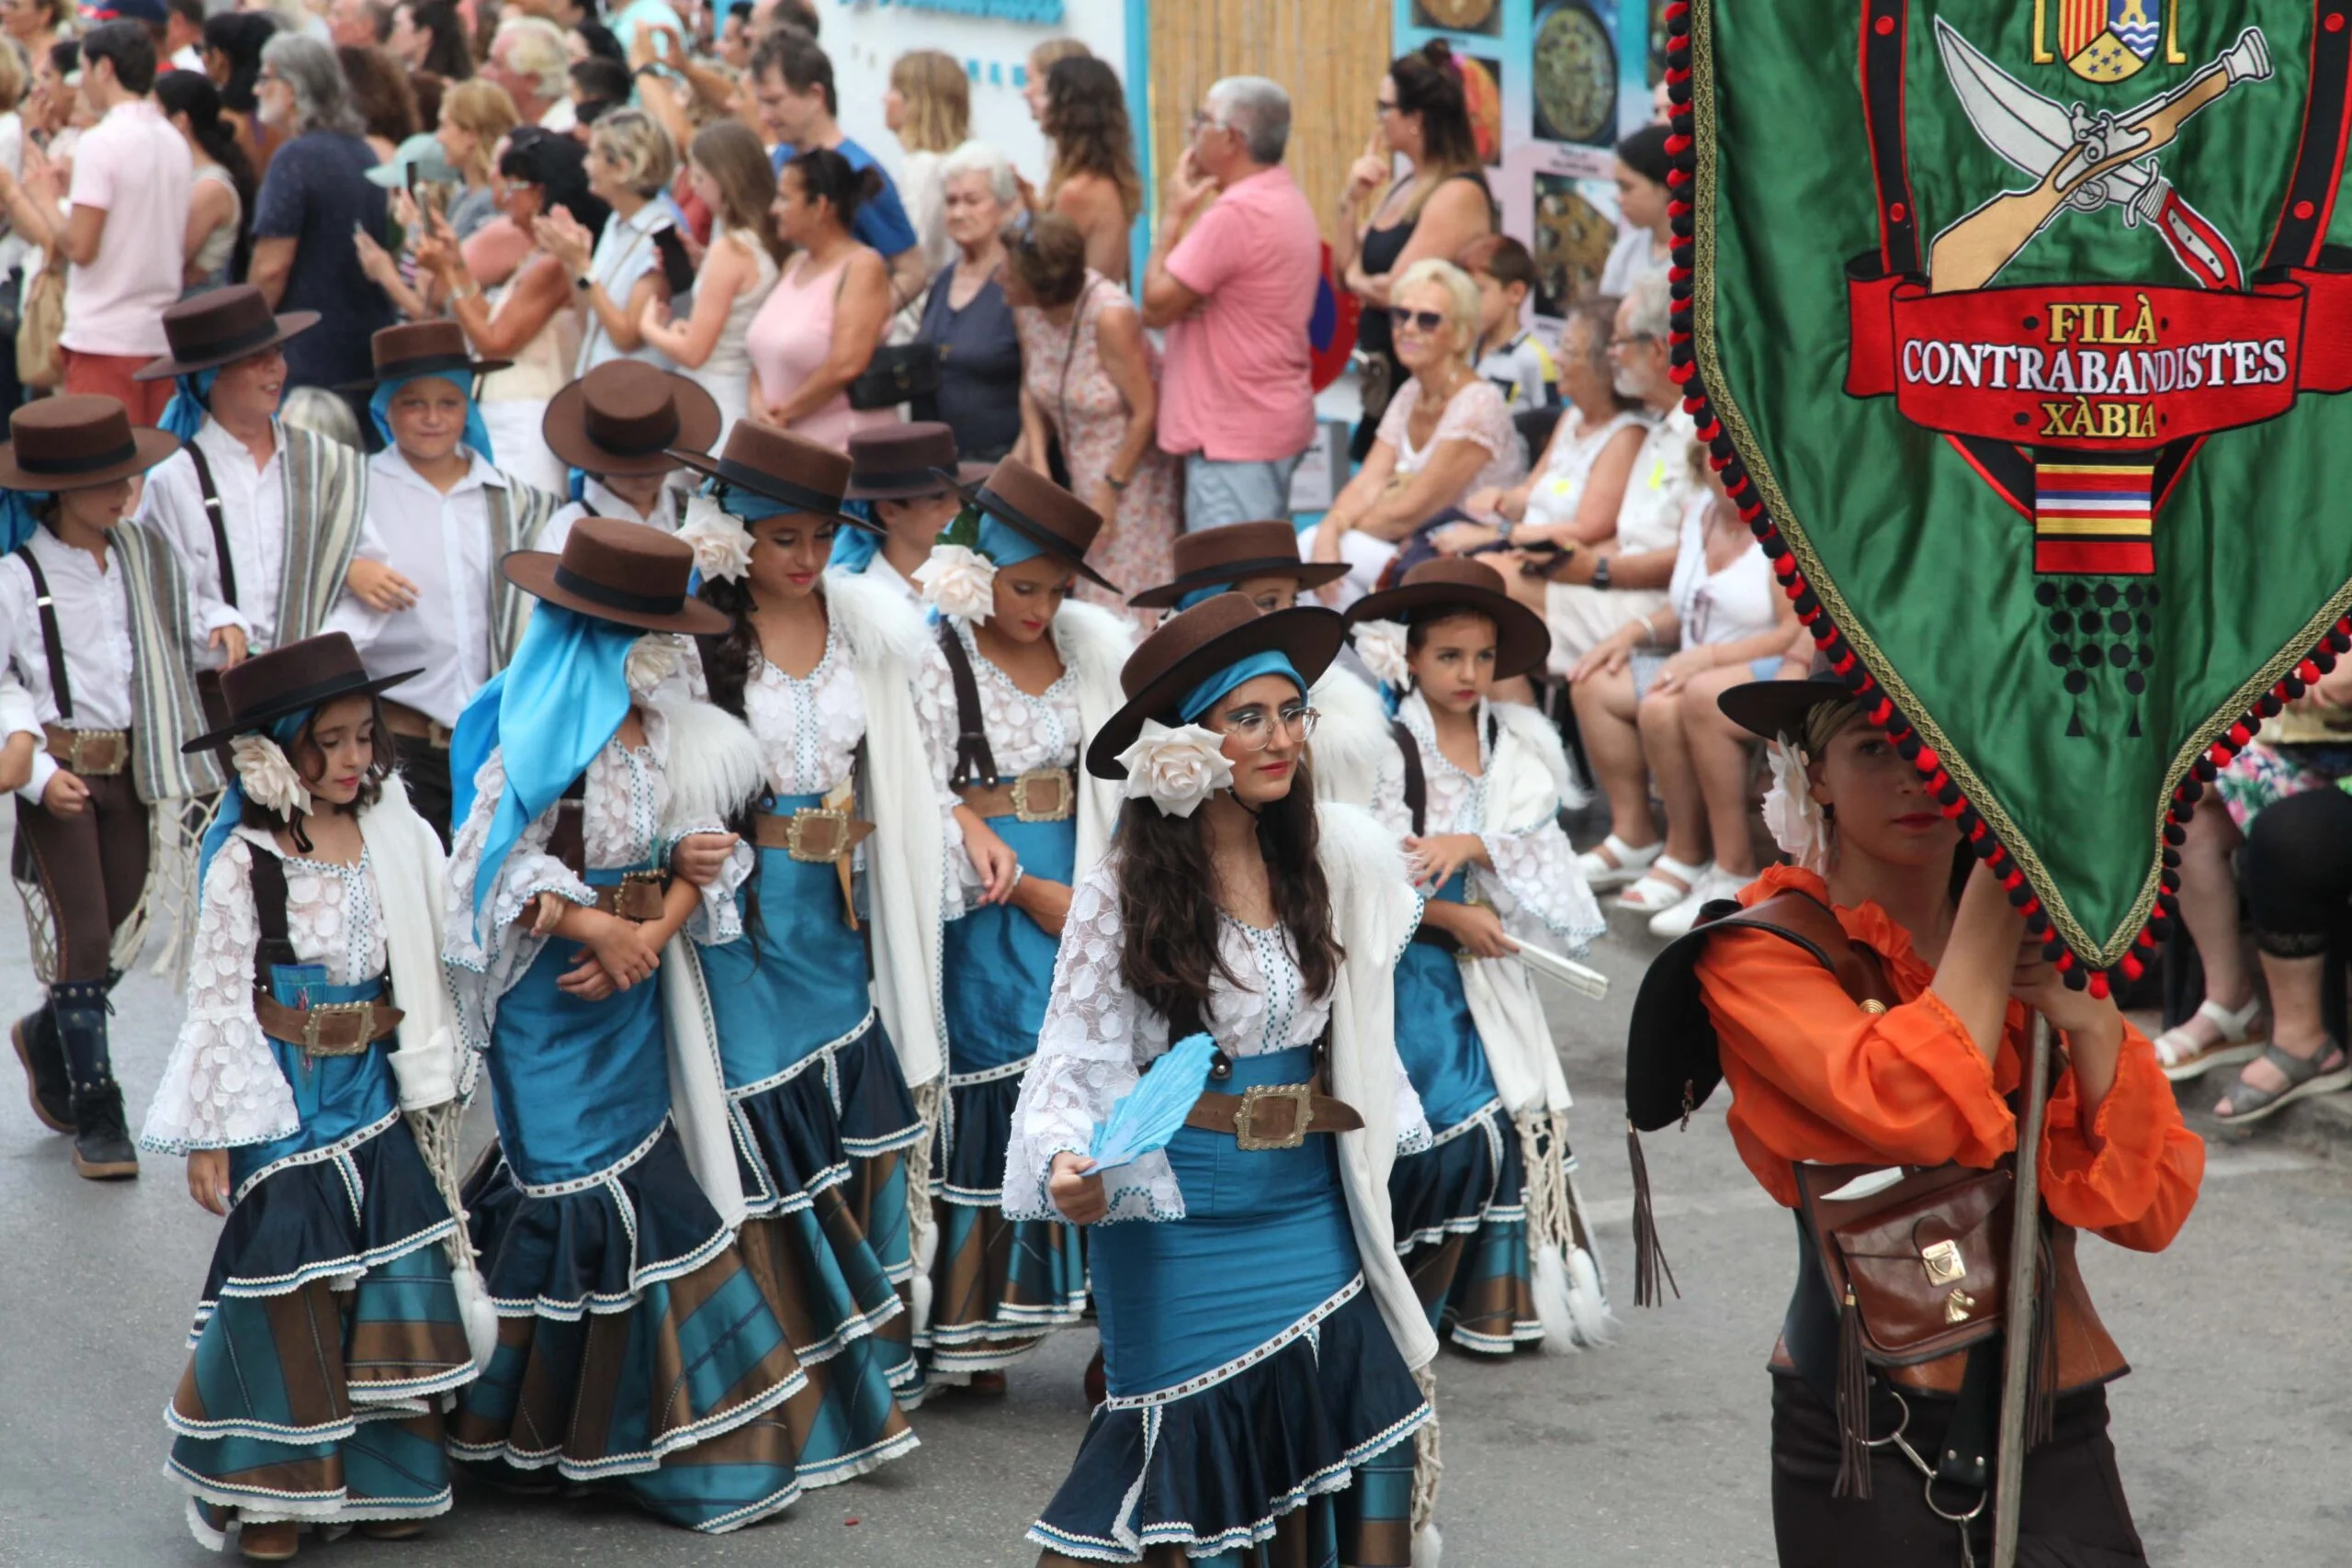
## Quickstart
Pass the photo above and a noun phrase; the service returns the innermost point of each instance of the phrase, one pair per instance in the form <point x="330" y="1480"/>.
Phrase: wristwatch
<point x="1600" y="573"/>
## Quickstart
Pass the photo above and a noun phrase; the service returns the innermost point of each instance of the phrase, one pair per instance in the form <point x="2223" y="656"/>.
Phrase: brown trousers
<point x="91" y="866"/>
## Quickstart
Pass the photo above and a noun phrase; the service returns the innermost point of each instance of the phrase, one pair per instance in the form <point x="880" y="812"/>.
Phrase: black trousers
<point x="424" y="767"/>
<point x="2074" y="1513"/>
<point x="2299" y="871"/>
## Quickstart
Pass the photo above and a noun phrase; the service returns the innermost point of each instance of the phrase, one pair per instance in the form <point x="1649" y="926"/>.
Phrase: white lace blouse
<point x="808" y="728"/>
<point x="223" y="1087"/>
<point x="627" y="797"/>
<point x="1534" y="887"/>
<point x="1098" y="1036"/>
<point x="1023" y="731"/>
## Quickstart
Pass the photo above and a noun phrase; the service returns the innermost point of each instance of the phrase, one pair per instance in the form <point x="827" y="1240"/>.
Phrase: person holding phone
<point x="729" y="173"/>
<point x="620" y="270"/>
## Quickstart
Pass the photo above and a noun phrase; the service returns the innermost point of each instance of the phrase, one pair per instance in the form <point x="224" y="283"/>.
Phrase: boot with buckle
<point x="102" y="1147"/>
<point x="43" y="1058"/>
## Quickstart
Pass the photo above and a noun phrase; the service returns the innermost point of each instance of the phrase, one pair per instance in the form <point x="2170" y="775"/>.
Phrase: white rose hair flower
<point x="652" y="658"/>
<point x="1380" y="645"/>
<point x="1791" y="815"/>
<point x="722" y="544"/>
<point x="268" y="776"/>
<point x="1176" y="769"/>
<point x="960" y="580"/>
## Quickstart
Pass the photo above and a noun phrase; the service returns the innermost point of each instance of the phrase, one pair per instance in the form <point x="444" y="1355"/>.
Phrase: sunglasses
<point x="1423" y="320"/>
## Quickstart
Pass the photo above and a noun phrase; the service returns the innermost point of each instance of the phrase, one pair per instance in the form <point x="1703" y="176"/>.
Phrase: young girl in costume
<point x="820" y="666"/>
<point x="94" y="613"/>
<point x="1015" y="681"/>
<point x="1488" y="1221"/>
<point x="330" y="1325"/>
<point x="634" y="1346"/>
<point x="1259" y="1341"/>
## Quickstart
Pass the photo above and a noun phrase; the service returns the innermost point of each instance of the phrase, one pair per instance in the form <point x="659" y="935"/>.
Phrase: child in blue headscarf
<point x="629" y="1329"/>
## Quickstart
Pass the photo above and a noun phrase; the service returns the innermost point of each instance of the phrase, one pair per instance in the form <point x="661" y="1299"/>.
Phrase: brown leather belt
<point x="639" y="897"/>
<point x="1273" y="1116"/>
<point x="330" y="1029"/>
<point x="402" y="720"/>
<point x="95" y="753"/>
<point x="1041" y="794"/>
<point x="820" y="837"/>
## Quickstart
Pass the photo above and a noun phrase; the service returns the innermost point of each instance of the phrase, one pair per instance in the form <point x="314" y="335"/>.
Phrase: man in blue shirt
<point x="792" y="80"/>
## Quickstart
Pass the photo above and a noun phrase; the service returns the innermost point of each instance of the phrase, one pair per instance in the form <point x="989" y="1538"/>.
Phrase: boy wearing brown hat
<point x="616" y="426"/>
<point x="906" y="475"/>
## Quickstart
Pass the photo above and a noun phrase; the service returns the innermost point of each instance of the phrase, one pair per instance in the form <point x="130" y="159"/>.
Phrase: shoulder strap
<point x="975" y="763"/>
<point x="212" y="514"/>
<point x="1416" y="783"/>
<point x="53" y="643"/>
<point x="568" y="840"/>
<point x="267" y="880"/>
<point x="1802" y="919"/>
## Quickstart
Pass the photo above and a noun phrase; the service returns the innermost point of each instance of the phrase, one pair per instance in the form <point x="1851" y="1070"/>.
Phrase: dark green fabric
<point x="1916" y="556"/>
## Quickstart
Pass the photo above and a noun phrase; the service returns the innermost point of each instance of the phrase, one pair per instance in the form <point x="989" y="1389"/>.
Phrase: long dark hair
<point x="239" y="37"/>
<point x="1168" y="908"/>
<point x="1086" y="119"/>
<point x="558" y="164"/>
<point x="1428" y="84"/>
<point x="191" y="92"/>
<point x="447" y="56"/>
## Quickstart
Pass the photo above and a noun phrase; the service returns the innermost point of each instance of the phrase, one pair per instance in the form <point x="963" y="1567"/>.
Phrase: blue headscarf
<point x="20" y="515"/>
<point x="549" y="712"/>
<point x="232" y="810"/>
<point x="1203" y="595"/>
<point x="1206" y="695"/>
<point x="854" y="548"/>
<point x="183" y="415"/>
<point x="1006" y="544"/>
<point x="477" y="433"/>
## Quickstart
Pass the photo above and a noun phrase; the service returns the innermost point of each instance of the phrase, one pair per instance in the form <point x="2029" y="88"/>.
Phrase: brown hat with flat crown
<point x="624" y="415"/>
<point x="807" y="476"/>
<point x="1221" y="557"/>
<point x="1449" y="582"/>
<point x="78" y="441"/>
<point x="422" y="348"/>
<point x="303" y="674"/>
<point x="218" y="327"/>
<point x="906" y="462"/>
<point x="1042" y="511"/>
<point x="1193" y="645"/>
<point x="624" y="572"/>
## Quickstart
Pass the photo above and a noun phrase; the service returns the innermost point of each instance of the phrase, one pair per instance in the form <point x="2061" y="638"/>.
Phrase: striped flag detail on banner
<point x="2094" y="517"/>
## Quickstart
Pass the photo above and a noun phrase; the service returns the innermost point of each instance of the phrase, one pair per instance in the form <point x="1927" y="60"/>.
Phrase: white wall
<point x="863" y="37"/>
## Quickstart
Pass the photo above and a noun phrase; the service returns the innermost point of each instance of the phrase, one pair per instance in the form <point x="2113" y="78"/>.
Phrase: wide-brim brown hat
<point x="1190" y="647"/>
<point x="219" y="327"/>
<point x="624" y="416"/>
<point x="623" y="572"/>
<point x="305" y="674"/>
<point x="422" y="348"/>
<point x="808" y="477"/>
<point x="1041" y="512"/>
<point x="1233" y="553"/>
<point x="1523" y="641"/>
<point x="78" y="441"/>
<point x="1776" y="709"/>
<point x="907" y="462"/>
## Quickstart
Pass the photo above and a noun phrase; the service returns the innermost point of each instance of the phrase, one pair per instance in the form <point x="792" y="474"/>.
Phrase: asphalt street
<point x="1651" y="1451"/>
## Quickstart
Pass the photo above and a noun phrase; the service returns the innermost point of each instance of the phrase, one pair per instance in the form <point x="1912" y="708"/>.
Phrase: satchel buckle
<point x="1944" y="1262"/>
<point x="818" y="837"/>
<point x="1302" y="1099"/>
<point x="316" y="1018"/>
<point x="1064" y="796"/>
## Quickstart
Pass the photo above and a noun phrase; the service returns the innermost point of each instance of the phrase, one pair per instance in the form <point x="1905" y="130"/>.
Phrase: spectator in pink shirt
<point x="1233" y="281"/>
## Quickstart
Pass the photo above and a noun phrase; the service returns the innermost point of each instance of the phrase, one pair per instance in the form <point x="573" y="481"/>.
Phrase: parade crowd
<point x="535" y="565"/>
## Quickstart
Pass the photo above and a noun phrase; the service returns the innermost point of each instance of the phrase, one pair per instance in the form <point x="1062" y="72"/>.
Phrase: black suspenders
<point x="53" y="643"/>
<point x="1416" y="784"/>
<point x="975" y="763"/>
<point x="212" y="514"/>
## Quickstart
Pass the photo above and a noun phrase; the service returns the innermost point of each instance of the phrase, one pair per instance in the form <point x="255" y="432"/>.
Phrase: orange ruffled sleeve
<point x="2138" y="1188"/>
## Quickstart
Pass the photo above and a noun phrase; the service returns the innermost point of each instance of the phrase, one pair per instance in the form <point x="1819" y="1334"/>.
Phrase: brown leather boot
<point x="270" y="1540"/>
<point x="391" y="1529"/>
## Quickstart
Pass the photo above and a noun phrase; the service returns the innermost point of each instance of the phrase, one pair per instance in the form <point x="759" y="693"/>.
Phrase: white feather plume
<point x="715" y="766"/>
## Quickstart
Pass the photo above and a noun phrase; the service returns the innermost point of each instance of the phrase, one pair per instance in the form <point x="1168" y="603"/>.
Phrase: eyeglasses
<point x="1206" y="122"/>
<point x="1255" y="728"/>
<point x="1424" y="320"/>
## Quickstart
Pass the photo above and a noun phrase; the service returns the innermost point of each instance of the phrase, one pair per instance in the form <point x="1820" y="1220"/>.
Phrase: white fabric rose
<point x="1380" y="645"/>
<point x="652" y="658"/>
<point x="960" y="580"/>
<point x="1176" y="769"/>
<point x="268" y="776"/>
<point x="722" y="544"/>
<point x="1791" y="815"/>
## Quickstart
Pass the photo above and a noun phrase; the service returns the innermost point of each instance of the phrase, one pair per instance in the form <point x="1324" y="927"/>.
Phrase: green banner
<point x="2020" y="322"/>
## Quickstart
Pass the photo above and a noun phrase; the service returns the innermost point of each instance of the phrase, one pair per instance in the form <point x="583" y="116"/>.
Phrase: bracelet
<point x="1019" y="871"/>
<point x="1119" y="485"/>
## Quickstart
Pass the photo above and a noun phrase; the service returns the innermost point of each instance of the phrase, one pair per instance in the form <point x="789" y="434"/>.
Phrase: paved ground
<point x="1650" y="1452"/>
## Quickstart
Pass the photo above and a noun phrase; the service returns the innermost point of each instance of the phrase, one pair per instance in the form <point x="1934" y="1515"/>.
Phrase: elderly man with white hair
<point x="529" y="58"/>
<point x="1233" y="281"/>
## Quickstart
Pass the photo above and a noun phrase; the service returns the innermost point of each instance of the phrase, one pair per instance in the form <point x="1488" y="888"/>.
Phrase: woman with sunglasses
<point x="1446" y="432"/>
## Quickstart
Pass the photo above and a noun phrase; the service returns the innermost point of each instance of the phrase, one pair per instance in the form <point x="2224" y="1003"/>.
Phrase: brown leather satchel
<point x="1920" y="1264"/>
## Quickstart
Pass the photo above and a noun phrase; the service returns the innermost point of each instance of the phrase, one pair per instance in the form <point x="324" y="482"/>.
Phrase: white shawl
<point x="412" y="881"/>
<point x="1094" y="644"/>
<point x="1350" y="738"/>
<point x="886" y="636"/>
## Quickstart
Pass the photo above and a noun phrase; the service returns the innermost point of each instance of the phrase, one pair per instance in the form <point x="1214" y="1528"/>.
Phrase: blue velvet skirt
<point x="636" y="1348"/>
<point x="1250" y="1373"/>
<point x="998" y="1285"/>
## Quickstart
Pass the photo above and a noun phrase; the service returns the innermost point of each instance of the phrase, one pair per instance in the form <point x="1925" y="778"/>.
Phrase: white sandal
<point x="1657" y="891"/>
<point x="2181" y="1057"/>
<point x="1612" y="863"/>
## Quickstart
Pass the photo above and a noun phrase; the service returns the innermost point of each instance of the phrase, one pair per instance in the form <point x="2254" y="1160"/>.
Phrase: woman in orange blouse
<point x="1817" y="1076"/>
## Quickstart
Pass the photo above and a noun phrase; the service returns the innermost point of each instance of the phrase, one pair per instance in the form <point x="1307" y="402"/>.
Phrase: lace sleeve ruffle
<point x="1090" y="1051"/>
<point x="719" y="918"/>
<point x="488" y="955"/>
<point x="223" y="1087"/>
<point x="1542" y="895"/>
<point x="1413" y="1134"/>
<point x="935" y="712"/>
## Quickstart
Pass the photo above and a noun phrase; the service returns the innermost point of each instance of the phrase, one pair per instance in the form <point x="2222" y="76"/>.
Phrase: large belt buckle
<point x="1065" y="796"/>
<point x="85" y="743"/>
<point x="639" y="897"/>
<point x="1302" y="1099"/>
<point x="830" y="829"/>
<point x="315" y="1019"/>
